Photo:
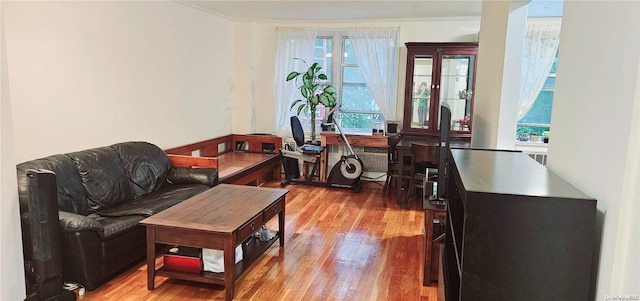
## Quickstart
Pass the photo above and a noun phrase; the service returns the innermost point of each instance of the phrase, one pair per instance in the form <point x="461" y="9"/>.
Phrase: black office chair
<point x="298" y="136"/>
<point x="308" y="153"/>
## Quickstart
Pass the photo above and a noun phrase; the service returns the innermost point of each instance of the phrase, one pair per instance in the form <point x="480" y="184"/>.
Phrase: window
<point x="322" y="55"/>
<point x="359" y="111"/>
<point x="364" y="94"/>
<point x="538" y="120"/>
<point x="543" y="31"/>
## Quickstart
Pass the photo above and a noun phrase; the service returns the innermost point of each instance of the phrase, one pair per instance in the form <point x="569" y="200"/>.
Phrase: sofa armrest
<point x="185" y="175"/>
<point x="71" y="222"/>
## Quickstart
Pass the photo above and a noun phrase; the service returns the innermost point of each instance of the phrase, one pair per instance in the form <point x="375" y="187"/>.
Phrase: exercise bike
<point x="346" y="173"/>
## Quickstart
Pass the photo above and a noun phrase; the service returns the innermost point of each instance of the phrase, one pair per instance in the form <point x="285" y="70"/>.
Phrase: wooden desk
<point x="334" y="138"/>
<point x="382" y="141"/>
<point x="404" y="150"/>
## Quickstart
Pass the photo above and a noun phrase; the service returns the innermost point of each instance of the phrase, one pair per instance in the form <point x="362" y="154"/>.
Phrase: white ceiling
<point x="240" y="10"/>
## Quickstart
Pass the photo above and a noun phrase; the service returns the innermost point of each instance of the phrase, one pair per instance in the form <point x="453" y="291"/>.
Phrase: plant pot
<point x="326" y="128"/>
<point x="523" y="137"/>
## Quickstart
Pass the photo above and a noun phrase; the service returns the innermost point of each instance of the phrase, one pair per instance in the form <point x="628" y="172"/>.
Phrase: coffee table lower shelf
<point x="251" y="252"/>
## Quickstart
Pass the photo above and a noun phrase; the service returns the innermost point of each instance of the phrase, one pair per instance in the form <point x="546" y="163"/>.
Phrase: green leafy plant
<point x="314" y="90"/>
<point x="523" y="133"/>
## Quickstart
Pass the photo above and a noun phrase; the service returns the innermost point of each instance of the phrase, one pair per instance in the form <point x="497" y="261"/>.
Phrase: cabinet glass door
<point x="420" y="100"/>
<point x="456" y="84"/>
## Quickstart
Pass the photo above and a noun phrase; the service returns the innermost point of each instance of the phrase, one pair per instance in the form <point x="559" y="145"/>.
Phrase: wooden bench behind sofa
<point x="240" y="159"/>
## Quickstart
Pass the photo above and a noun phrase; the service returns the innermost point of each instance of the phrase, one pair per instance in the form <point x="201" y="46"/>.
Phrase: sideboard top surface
<point x="514" y="173"/>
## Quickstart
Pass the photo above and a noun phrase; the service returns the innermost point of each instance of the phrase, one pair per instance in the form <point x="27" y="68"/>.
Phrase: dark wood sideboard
<point x="515" y="231"/>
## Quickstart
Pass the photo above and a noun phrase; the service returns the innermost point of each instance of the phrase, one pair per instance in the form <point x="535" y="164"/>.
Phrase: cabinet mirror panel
<point x="456" y="88"/>
<point x="422" y="78"/>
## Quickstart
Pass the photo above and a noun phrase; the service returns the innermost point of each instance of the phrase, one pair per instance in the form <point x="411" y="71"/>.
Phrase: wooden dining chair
<point x="423" y="169"/>
<point x="393" y="163"/>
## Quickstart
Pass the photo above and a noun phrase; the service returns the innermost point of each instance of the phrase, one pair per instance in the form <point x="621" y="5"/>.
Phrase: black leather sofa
<point x="102" y="194"/>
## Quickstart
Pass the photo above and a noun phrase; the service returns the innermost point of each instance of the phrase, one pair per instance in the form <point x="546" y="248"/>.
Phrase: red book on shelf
<point x="183" y="259"/>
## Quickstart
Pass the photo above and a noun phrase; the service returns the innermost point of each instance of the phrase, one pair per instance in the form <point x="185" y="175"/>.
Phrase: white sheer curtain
<point x="376" y="50"/>
<point x="541" y="43"/>
<point x="290" y="43"/>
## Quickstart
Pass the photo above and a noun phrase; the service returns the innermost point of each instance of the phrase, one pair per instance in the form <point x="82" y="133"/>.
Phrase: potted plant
<point x="523" y="134"/>
<point x="545" y="136"/>
<point x="314" y="90"/>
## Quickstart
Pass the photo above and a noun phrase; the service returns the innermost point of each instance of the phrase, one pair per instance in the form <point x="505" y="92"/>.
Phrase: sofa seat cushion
<point x="114" y="226"/>
<point x="154" y="202"/>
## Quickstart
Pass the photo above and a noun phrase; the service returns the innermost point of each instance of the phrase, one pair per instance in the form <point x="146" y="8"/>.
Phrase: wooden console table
<point x="334" y="138"/>
<point x="240" y="159"/>
<point x="219" y="218"/>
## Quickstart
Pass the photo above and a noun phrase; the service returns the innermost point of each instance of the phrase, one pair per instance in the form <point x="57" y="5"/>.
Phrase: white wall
<point x="88" y="74"/>
<point x="260" y="68"/>
<point x="498" y="75"/>
<point x="85" y="74"/>
<point x="253" y="67"/>
<point x="12" y="287"/>
<point x="597" y="97"/>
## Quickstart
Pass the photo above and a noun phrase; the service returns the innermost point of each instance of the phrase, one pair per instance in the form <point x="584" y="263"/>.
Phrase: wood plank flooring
<point x="339" y="245"/>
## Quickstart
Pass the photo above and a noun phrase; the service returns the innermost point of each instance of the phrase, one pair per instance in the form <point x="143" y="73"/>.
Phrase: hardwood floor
<point x="339" y="245"/>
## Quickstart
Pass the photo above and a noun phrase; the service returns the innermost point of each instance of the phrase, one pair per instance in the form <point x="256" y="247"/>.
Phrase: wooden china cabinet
<point x="436" y="73"/>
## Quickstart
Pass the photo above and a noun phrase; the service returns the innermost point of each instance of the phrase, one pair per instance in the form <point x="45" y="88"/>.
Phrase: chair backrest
<point x="297" y="131"/>
<point x="391" y="149"/>
<point x="424" y="155"/>
<point x="445" y="142"/>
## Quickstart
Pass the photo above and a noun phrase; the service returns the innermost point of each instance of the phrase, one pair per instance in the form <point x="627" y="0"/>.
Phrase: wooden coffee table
<point x="219" y="218"/>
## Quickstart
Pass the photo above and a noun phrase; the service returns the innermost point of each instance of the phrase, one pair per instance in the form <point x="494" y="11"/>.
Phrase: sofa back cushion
<point x="145" y="164"/>
<point x="71" y="194"/>
<point x="102" y="176"/>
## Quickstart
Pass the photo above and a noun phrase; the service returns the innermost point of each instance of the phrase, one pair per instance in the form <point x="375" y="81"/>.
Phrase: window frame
<point x="543" y="126"/>
<point x="337" y="72"/>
